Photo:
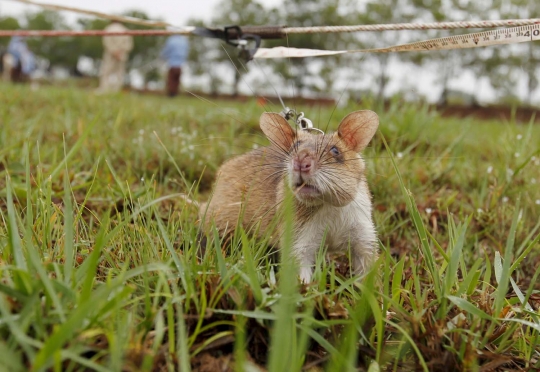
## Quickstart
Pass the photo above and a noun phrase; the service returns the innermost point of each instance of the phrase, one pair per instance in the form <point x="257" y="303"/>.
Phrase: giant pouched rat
<point x="327" y="177"/>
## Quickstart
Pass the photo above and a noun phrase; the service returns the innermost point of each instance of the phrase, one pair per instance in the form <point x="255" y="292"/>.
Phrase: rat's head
<point x="322" y="168"/>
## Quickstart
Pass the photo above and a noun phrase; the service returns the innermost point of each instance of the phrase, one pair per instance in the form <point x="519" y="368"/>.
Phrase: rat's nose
<point x="303" y="165"/>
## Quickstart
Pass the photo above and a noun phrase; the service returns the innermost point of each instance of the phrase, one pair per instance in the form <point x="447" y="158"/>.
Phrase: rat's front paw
<point x="305" y="275"/>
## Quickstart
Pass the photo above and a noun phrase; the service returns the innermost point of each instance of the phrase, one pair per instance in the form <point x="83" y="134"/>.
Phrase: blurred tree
<point x="242" y="13"/>
<point x="59" y="51"/>
<point x="145" y="48"/>
<point x="505" y="65"/>
<point x="308" y="73"/>
<point x="532" y="66"/>
<point x="447" y="63"/>
<point x="7" y="23"/>
<point x="203" y="60"/>
<point x="92" y="46"/>
<point x="209" y="58"/>
<point x="384" y="11"/>
<point x="482" y="62"/>
<point x="525" y="57"/>
<point x="65" y="51"/>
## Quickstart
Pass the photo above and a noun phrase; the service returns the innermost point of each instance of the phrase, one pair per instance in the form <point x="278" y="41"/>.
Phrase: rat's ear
<point x="277" y="129"/>
<point x="358" y="128"/>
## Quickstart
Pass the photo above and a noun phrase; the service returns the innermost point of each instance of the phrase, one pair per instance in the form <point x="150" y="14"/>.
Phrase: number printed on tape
<point x="511" y="35"/>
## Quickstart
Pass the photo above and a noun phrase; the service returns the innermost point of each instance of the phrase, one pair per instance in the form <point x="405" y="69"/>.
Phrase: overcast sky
<point x="175" y="12"/>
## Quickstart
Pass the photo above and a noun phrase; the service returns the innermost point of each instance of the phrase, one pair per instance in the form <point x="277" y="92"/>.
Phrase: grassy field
<point x="102" y="268"/>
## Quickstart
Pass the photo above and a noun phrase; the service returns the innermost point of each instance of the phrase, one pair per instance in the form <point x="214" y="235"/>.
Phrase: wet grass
<point x="102" y="268"/>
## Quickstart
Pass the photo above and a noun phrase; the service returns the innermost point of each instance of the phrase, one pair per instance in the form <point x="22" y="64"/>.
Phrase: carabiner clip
<point x="241" y="42"/>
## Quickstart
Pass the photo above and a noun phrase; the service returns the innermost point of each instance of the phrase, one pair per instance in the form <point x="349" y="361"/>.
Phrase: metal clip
<point x="299" y="119"/>
<point x="240" y="40"/>
<point x="287" y="113"/>
<point x="303" y="122"/>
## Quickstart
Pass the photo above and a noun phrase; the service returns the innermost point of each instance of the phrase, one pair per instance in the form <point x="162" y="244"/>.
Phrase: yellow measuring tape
<point x="512" y="35"/>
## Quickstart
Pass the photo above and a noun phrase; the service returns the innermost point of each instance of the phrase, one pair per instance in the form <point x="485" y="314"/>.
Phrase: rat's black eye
<point x="295" y="146"/>
<point x="334" y="151"/>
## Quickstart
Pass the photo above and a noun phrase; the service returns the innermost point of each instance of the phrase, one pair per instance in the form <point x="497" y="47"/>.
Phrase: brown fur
<point x="241" y="179"/>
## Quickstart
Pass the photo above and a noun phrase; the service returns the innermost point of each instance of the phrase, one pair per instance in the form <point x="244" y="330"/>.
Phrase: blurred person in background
<point x="7" y="62"/>
<point x="115" y="55"/>
<point x="175" y="52"/>
<point x="19" y="61"/>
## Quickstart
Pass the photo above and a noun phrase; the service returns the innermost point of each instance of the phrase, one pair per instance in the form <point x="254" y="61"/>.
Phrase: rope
<point x="284" y="30"/>
<point x="412" y="26"/>
<point x="56" y="33"/>
<point x="125" y="19"/>
<point x="188" y="30"/>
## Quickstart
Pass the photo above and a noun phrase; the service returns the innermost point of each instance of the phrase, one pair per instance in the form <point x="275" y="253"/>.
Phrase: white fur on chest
<point x="339" y="226"/>
<point x="347" y="228"/>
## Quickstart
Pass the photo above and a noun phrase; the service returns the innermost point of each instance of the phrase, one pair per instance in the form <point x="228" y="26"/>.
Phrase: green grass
<point x="101" y="266"/>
